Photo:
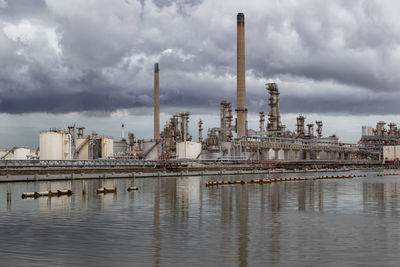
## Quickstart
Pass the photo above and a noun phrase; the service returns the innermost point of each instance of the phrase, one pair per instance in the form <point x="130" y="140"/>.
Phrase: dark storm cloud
<point x="95" y="57"/>
<point x="90" y="92"/>
<point x="17" y="9"/>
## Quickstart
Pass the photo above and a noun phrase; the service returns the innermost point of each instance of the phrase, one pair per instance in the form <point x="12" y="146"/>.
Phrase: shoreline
<point x="111" y="174"/>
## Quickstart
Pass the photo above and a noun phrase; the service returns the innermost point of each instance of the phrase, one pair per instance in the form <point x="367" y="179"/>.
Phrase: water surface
<point x="179" y="222"/>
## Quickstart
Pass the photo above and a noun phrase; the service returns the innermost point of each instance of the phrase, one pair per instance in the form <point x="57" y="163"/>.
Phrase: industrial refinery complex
<point x="231" y="140"/>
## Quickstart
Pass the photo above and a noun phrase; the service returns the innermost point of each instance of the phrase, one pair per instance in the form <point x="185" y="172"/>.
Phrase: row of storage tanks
<point x="59" y="145"/>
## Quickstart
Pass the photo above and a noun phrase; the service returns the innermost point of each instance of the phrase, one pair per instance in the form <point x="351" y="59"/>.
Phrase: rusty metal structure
<point x="262" y="120"/>
<point x="374" y="139"/>
<point x="310" y="127"/>
<point x="274" y="117"/>
<point x="300" y="126"/>
<point x="226" y="121"/>
<point x="319" y="128"/>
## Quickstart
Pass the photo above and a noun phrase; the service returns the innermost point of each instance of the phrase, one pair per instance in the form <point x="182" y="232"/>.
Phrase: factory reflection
<point x="242" y="215"/>
<point x="183" y="197"/>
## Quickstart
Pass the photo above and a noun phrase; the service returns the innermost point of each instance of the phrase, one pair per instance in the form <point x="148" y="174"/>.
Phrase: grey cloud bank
<point x="66" y="56"/>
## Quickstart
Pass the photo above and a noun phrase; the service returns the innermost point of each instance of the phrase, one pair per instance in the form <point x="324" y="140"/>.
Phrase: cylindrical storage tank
<point x="188" y="150"/>
<point x="151" y="151"/>
<point x="108" y="147"/>
<point x="21" y="153"/>
<point x="54" y="145"/>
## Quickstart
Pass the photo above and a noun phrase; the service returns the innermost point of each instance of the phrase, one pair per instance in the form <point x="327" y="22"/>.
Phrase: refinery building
<point x="230" y="140"/>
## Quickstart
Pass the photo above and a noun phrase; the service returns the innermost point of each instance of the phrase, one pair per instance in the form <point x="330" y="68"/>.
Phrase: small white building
<point x="21" y="153"/>
<point x="17" y="153"/>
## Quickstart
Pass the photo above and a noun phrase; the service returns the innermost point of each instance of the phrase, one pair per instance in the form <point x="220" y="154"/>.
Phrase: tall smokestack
<point x="241" y="79"/>
<point x="156" y="103"/>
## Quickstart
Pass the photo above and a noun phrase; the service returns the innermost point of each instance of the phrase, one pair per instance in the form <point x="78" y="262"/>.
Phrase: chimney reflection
<point x="320" y="198"/>
<point x="8" y="197"/>
<point x="242" y="211"/>
<point x="274" y="198"/>
<point x="227" y="206"/>
<point x="157" y="232"/>
<point x="301" y="196"/>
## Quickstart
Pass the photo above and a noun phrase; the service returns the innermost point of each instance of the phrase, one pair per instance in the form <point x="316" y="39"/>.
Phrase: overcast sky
<point x="91" y="63"/>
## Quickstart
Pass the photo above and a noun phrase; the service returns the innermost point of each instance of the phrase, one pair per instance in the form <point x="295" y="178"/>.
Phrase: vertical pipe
<point x="156" y="103"/>
<point x="200" y="131"/>
<point x="241" y="78"/>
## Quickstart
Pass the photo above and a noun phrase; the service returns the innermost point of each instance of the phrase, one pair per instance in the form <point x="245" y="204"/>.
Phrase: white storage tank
<point x="55" y="145"/>
<point x="151" y="150"/>
<point x="107" y="147"/>
<point x="21" y="153"/>
<point x="188" y="150"/>
<point x="81" y="149"/>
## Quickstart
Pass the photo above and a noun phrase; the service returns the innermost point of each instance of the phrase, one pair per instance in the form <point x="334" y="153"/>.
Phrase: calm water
<point x="179" y="222"/>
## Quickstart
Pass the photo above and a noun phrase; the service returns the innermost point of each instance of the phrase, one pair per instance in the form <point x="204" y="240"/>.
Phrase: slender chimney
<point x="123" y="132"/>
<point x="200" y="131"/>
<point x="241" y="79"/>
<point x="156" y="103"/>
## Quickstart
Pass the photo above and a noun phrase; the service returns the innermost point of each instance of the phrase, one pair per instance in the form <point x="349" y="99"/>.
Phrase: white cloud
<point x="3" y="3"/>
<point x="37" y="42"/>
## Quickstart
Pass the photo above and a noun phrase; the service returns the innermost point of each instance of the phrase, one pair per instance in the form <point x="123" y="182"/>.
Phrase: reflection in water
<point x="157" y="232"/>
<point x="8" y="197"/>
<point x="242" y="211"/>
<point x="55" y="203"/>
<point x="301" y="196"/>
<point x="320" y="197"/>
<point x="381" y="197"/>
<point x="178" y="222"/>
<point x="276" y="197"/>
